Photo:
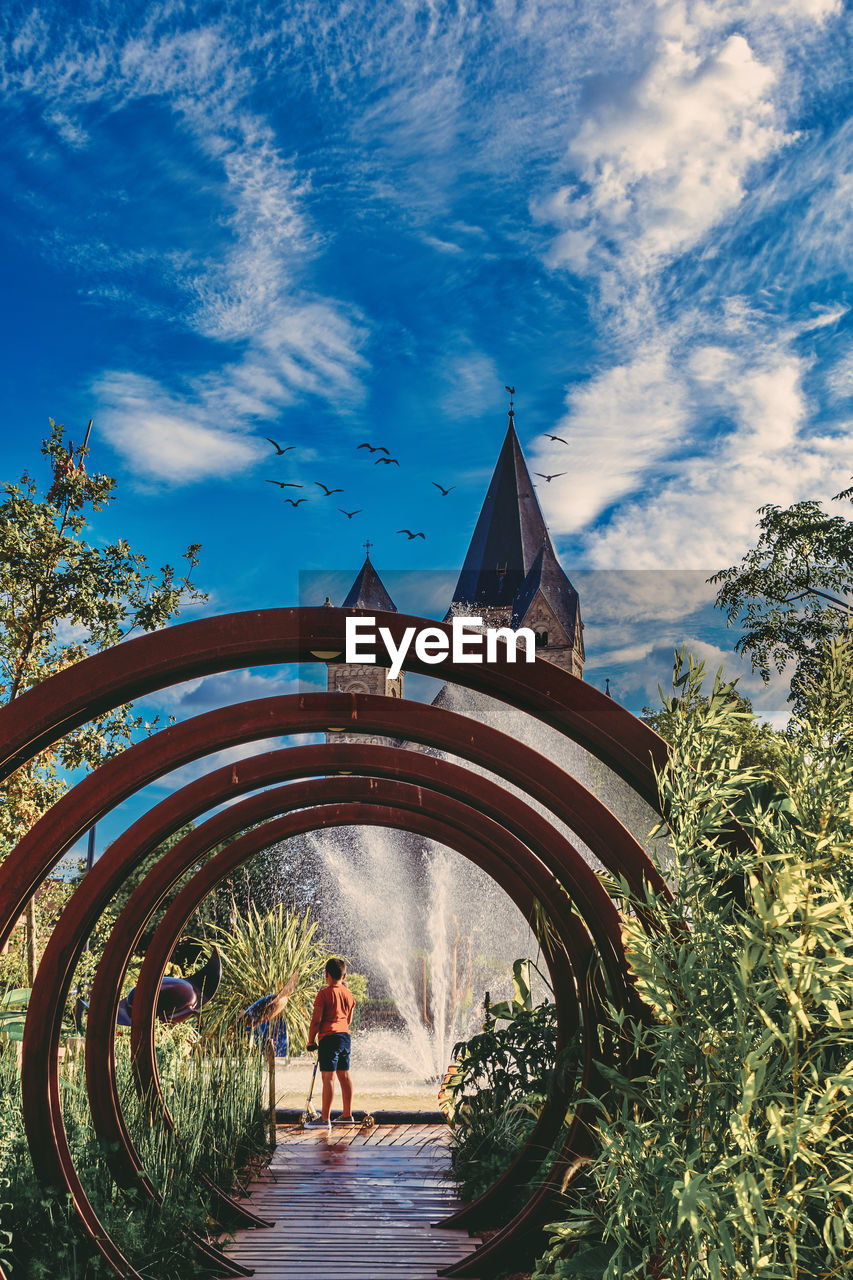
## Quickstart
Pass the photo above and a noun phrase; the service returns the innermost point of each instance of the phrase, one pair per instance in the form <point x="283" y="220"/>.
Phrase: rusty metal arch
<point x="512" y="1235"/>
<point x="42" y="1035"/>
<point x="426" y="772"/>
<point x="53" y="708"/>
<point x="39" y="850"/>
<point x="181" y="743"/>
<point x="275" y="636"/>
<point x="451" y="832"/>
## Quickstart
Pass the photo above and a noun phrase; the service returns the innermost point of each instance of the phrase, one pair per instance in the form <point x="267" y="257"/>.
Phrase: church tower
<point x="511" y="575"/>
<point x="367" y="592"/>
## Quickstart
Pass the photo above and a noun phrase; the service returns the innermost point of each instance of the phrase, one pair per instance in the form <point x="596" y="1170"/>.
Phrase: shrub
<point x="259" y="954"/>
<point x="216" y="1104"/>
<point x="498" y="1085"/>
<point x="733" y="1156"/>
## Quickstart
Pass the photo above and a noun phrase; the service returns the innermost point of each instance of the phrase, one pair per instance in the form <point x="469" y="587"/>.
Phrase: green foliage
<point x="791" y="593"/>
<point x="216" y="1103"/>
<point x="733" y="1157"/>
<point x="259" y="954"/>
<point x="760" y="746"/>
<point x="498" y="1084"/>
<point x="62" y="598"/>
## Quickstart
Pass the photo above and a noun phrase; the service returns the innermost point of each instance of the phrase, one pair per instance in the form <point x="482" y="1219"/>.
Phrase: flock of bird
<point x="385" y="460"/>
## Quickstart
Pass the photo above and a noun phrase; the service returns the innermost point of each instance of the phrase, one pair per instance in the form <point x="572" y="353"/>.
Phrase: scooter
<point x="310" y="1112"/>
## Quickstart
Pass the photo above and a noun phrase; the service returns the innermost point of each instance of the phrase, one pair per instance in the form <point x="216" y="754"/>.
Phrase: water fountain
<point x="432" y="929"/>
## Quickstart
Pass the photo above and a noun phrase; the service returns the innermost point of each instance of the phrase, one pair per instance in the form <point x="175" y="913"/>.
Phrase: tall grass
<point x="215" y="1099"/>
<point x="732" y="1158"/>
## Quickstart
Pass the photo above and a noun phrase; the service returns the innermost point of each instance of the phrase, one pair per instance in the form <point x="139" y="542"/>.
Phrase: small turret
<point x="368" y="594"/>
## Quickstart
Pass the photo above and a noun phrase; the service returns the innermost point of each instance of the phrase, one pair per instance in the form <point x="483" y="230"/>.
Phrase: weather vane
<point x="511" y="391"/>
<point x="368" y="544"/>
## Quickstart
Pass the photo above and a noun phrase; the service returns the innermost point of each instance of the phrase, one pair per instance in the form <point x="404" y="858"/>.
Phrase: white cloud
<point x="162" y="438"/>
<point x="194" y="697"/>
<point x="619" y="425"/>
<point x="615" y="599"/>
<point x="659" y="166"/>
<point x="839" y="378"/>
<point x="245" y="285"/>
<point x="700" y="414"/>
<point x="686" y="439"/>
<point x="666" y="149"/>
<point x="473" y="383"/>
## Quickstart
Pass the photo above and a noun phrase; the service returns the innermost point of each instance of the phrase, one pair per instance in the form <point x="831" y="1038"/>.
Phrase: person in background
<point x="261" y="1016"/>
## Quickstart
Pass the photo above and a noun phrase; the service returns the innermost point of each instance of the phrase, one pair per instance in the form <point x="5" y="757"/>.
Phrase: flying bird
<point x="560" y="438"/>
<point x="294" y="502"/>
<point x="349" y="514"/>
<point x="285" y="484"/>
<point x="278" y="447"/>
<point x="550" y="478"/>
<point x="412" y="535"/>
<point x="374" y="448"/>
<point x="387" y="461"/>
<point x="326" y="491"/>
<point x="444" y="492"/>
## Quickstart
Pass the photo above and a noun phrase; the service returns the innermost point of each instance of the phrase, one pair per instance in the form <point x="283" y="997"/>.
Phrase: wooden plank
<point x="358" y="1201"/>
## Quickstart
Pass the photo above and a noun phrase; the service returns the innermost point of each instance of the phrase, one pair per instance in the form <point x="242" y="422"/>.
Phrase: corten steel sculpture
<point x="155" y="661"/>
<point x="249" y="776"/>
<point x="168" y="743"/>
<point x="230" y="781"/>
<point x="432" y="774"/>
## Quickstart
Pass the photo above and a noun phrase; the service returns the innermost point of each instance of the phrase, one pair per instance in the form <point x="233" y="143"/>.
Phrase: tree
<point x="757" y="744"/>
<point x="62" y="598"/>
<point x="792" y="592"/>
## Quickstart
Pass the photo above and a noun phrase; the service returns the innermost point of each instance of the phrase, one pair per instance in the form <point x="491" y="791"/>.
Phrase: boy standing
<point x="329" y="1034"/>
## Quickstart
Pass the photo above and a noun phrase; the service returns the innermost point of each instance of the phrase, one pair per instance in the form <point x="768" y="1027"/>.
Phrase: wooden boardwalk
<point x="353" y="1204"/>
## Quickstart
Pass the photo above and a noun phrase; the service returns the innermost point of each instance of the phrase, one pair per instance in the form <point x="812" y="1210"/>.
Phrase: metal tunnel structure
<point x="295" y="789"/>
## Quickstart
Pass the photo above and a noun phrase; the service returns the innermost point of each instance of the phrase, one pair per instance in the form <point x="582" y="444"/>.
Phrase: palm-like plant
<point x="260" y="953"/>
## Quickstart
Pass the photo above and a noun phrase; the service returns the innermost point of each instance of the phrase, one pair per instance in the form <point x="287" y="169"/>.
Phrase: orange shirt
<point x="333" y="1006"/>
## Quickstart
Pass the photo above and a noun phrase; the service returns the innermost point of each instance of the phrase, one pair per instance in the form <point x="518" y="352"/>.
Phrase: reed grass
<point x="213" y="1089"/>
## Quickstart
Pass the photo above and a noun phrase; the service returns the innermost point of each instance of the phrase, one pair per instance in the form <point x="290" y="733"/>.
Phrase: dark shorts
<point x="333" y="1051"/>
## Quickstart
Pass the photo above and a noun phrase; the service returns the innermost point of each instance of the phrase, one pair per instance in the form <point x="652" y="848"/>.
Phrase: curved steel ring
<point x="274" y="636"/>
<point x="26" y="867"/>
<point x="64" y="947"/>
<point x="303" y="820"/>
<point x="172" y="748"/>
<point x="180" y="743"/>
<point x="459" y="826"/>
<point x="195" y="648"/>
<point x="377" y="761"/>
<point x="183" y="742"/>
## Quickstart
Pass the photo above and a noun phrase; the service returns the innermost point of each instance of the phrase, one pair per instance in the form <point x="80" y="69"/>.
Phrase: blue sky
<point x="331" y="223"/>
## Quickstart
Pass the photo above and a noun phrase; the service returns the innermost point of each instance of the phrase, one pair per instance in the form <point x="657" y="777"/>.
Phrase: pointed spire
<point x="368" y="590"/>
<point x="508" y="534"/>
